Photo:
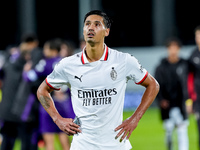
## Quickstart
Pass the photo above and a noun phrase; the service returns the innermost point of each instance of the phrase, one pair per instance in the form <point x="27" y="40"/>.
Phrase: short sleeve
<point x="134" y="70"/>
<point x="56" y="79"/>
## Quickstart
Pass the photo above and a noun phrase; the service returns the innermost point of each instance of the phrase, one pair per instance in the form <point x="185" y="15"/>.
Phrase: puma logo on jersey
<point x="78" y="78"/>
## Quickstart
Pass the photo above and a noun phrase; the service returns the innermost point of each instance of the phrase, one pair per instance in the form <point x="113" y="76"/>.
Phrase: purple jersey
<point x="64" y="108"/>
<point x="46" y="66"/>
<point x="42" y="69"/>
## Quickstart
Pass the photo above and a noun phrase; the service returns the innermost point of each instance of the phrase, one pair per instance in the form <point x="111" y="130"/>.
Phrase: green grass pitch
<point x="150" y="135"/>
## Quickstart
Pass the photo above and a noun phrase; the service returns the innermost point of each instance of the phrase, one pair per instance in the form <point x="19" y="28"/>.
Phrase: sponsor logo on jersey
<point x="79" y="78"/>
<point x="96" y="97"/>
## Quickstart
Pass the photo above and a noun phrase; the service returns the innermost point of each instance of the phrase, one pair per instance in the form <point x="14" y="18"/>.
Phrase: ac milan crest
<point x="113" y="74"/>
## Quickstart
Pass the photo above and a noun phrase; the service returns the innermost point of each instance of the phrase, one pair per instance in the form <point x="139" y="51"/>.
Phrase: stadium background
<point x="135" y="23"/>
<point x="139" y="28"/>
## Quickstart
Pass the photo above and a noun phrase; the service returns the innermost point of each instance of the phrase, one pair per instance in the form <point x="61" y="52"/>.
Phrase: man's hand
<point x="27" y="66"/>
<point x="127" y="128"/>
<point x="68" y="126"/>
<point x="65" y="124"/>
<point x="164" y="104"/>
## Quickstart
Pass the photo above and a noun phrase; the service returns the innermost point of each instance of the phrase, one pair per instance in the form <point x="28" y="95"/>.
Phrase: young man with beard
<point x="97" y="77"/>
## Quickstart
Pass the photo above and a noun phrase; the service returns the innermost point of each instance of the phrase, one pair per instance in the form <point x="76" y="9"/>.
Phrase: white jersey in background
<point x="98" y="90"/>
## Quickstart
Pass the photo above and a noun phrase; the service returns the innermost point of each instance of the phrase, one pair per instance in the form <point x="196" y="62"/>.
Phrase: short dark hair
<point x="29" y="37"/>
<point x="106" y="19"/>
<point x="171" y="40"/>
<point x="54" y="44"/>
<point x="71" y="46"/>
<point x="197" y="29"/>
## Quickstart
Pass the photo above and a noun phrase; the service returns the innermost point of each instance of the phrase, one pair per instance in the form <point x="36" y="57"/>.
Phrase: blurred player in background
<point x="11" y="75"/>
<point x="25" y="106"/>
<point x="172" y="77"/>
<point x="67" y="48"/>
<point x="2" y="61"/>
<point x="53" y="51"/>
<point x="97" y="76"/>
<point x="194" y="78"/>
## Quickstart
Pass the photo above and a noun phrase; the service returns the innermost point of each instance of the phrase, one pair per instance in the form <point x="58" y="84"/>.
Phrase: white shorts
<point x="84" y="141"/>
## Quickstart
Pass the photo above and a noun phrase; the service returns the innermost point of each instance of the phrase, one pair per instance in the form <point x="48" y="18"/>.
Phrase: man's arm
<point x="65" y="124"/>
<point x="152" y="89"/>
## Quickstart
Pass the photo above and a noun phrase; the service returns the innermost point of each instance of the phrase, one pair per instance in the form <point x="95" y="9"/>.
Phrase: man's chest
<point x="96" y="76"/>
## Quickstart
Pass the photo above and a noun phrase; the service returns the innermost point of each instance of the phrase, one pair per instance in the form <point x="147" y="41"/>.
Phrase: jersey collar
<point x="84" y="59"/>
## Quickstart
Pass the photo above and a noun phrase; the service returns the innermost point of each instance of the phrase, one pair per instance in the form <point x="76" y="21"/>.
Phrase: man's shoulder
<point x="195" y="51"/>
<point x="115" y="51"/>
<point x="72" y="59"/>
<point x="162" y="64"/>
<point x="117" y="54"/>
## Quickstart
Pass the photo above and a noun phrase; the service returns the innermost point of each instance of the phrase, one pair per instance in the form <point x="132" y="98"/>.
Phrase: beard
<point x="91" y="41"/>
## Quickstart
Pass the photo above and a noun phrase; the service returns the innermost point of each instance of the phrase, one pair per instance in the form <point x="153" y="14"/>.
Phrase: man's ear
<point x="107" y="31"/>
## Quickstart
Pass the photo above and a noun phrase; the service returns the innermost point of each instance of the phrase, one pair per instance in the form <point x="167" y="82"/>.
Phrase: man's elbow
<point x="156" y="86"/>
<point x="43" y="89"/>
<point x="39" y="92"/>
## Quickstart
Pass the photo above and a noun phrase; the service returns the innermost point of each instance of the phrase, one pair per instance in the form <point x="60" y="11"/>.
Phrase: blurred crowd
<point x="24" y="67"/>
<point x="178" y="97"/>
<point x="22" y="70"/>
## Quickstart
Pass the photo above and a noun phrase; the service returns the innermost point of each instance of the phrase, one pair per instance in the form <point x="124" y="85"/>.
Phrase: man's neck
<point x="53" y="54"/>
<point x="94" y="52"/>
<point x="173" y="60"/>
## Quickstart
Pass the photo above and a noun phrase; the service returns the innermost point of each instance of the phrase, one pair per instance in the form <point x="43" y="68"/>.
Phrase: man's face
<point x="46" y="50"/>
<point x="94" y="29"/>
<point x="173" y="50"/>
